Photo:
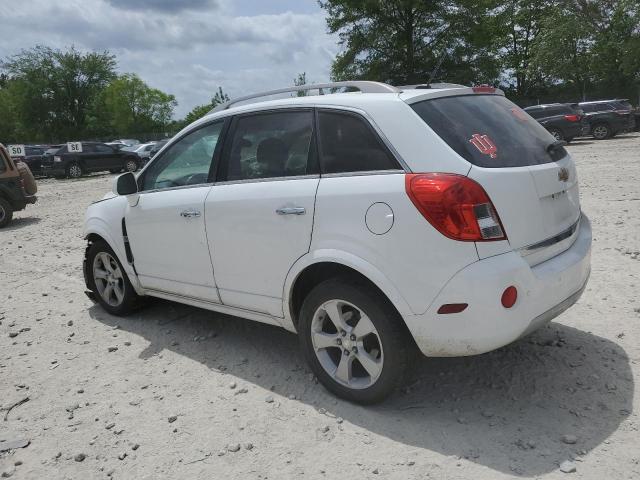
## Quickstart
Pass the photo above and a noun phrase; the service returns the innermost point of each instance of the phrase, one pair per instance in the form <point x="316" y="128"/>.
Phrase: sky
<point x="184" y="47"/>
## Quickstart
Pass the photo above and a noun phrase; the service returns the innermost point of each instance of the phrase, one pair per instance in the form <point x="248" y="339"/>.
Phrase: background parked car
<point x="157" y="147"/>
<point x="563" y="120"/>
<point x="143" y="150"/>
<point x="33" y="157"/>
<point x="126" y="141"/>
<point x="607" y="118"/>
<point x="95" y="157"/>
<point x="635" y="112"/>
<point x="17" y="187"/>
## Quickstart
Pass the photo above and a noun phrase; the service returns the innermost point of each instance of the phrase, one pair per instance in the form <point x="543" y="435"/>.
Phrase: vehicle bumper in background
<point x="544" y="292"/>
<point x="52" y="170"/>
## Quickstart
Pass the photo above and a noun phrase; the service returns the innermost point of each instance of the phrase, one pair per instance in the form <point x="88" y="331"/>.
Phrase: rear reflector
<point x="455" y="205"/>
<point x="509" y="297"/>
<point x="452" y="308"/>
<point x="572" y="118"/>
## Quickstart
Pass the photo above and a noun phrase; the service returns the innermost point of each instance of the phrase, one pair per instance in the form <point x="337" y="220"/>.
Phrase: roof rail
<point x="361" y="85"/>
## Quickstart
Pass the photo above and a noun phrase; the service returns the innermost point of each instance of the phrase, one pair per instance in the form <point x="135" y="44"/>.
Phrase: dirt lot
<point x="177" y="392"/>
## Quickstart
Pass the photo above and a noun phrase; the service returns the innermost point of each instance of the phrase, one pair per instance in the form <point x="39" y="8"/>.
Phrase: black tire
<point x="6" y="212"/>
<point x="389" y="327"/>
<point x="131" y="300"/>
<point x="557" y="134"/>
<point x="131" y="165"/>
<point x="74" y="170"/>
<point x="601" y="131"/>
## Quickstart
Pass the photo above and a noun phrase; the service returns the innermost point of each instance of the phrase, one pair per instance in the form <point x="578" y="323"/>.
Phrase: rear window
<point x="488" y="130"/>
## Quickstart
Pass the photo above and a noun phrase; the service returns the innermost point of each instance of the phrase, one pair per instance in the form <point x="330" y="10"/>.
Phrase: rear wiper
<point x="555" y="145"/>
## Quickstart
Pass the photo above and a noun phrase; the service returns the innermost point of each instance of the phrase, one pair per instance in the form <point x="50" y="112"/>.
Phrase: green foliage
<point x="548" y="49"/>
<point x="201" y="110"/>
<point x="49" y="95"/>
<point x="135" y="107"/>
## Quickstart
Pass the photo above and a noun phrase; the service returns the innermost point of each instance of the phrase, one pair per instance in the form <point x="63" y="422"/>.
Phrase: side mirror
<point x="125" y="184"/>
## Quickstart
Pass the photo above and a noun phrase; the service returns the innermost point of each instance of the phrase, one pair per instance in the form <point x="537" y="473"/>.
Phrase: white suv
<point x="368" y="222"/>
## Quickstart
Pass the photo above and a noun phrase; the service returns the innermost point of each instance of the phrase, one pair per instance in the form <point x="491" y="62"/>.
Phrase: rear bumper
<point x="544" y="292"/>
<point x="52" y="170"/>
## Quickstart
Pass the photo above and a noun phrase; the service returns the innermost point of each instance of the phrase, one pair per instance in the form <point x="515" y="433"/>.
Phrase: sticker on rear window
<point x="484" y="144"/>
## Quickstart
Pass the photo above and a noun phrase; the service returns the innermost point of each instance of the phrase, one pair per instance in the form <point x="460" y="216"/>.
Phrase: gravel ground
<point x="177" y="392"/>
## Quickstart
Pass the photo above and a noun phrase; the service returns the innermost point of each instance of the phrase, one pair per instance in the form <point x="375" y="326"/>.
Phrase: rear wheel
<point x="74" y="170"/>
<point x="109" y="282"/>
<point x="601" y="131"/>
<point x="557" y="134"/>
<point x="353" y="340"/>
<point x="131" y="165"/>
<point x="6" y="212"/>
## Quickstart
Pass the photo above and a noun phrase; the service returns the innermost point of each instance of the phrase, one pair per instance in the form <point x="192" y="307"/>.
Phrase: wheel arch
<point x="96" y="231"/>
<point x="310" y="270"/>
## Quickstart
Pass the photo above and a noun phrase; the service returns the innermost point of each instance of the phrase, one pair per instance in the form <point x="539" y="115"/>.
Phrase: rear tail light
<point x="572" y="118"/>
<point x="455" y="205"/>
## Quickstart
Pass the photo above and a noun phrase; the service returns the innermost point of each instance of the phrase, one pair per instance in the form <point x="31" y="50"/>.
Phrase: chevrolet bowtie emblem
<point x="563" y="175"/>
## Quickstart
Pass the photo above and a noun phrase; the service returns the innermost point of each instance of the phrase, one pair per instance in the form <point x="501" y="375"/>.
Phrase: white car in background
<point x="143" y="150"/>
<point x="370" y="223"/>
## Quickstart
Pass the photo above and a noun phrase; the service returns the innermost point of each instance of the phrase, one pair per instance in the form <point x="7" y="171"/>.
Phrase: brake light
<point x="483" y="89"/>
<point x="455" y="205"/>
<point x="572" y="118"/>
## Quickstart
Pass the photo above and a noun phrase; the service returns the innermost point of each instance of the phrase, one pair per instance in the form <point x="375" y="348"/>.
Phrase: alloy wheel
<point x="108" y="279"/>
<point x="347" y="344"/>
<point x="131" y="166"/>
<point x="600" y="132"/>
<point x="75" y="171"/>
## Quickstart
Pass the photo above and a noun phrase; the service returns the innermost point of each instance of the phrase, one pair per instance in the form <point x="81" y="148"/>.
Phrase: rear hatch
<point x="530" y="178"/>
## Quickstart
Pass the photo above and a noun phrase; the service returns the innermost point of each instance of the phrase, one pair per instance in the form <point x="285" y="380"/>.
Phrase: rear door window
<point x="489" y="131"/>
<point x="349" y="144"/>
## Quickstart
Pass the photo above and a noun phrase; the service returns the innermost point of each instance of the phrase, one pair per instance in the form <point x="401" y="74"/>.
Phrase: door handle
<point x="189" y="213"/>
<point x="291" y="211"/>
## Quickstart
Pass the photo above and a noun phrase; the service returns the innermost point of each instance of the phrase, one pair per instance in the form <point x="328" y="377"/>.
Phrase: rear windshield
<point x="489" y="130"/>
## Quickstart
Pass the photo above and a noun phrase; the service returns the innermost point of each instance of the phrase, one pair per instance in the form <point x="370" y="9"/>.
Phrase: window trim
<point x="233" y="124"/>
<point x="165" y="148"/>
<point x="375" y="131"/>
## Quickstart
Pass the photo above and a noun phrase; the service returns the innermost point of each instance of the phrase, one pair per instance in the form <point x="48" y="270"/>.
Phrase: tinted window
<point x="536" y="112"/>
<point x="488" y="130"/>
<point x="349" y="144"/>
<point x="269" y="145"/>
<point x="186" y="162"/>
<point x="103" y="148"/>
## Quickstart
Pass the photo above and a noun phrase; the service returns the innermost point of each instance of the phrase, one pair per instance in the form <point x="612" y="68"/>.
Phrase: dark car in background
<point x="95" y="157"/>
<point x="33" y="157"/>
<point x="563" y="120"/>
<point x="607" y="118"/>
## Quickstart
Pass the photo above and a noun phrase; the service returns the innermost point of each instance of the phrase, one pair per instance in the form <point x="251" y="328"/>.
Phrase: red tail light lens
<point x="484" y="89"/>
<point x="455" y="205"/>
<point x="572" y="118"/>
<point x="509" y="297"/>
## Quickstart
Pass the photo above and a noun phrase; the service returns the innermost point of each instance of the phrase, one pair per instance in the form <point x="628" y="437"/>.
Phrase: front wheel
<point x="6" y="213"/>
<point x="353" y="340"/>
<point x="108" y="280"/>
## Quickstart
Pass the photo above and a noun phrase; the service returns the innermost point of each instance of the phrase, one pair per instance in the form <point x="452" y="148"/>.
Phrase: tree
<point x="135" y="107"/>
<point x="54" y="89"/>
<point x="410" y="41"/>
<point x="300" y="80"/>
<point x="200" y="111"/>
